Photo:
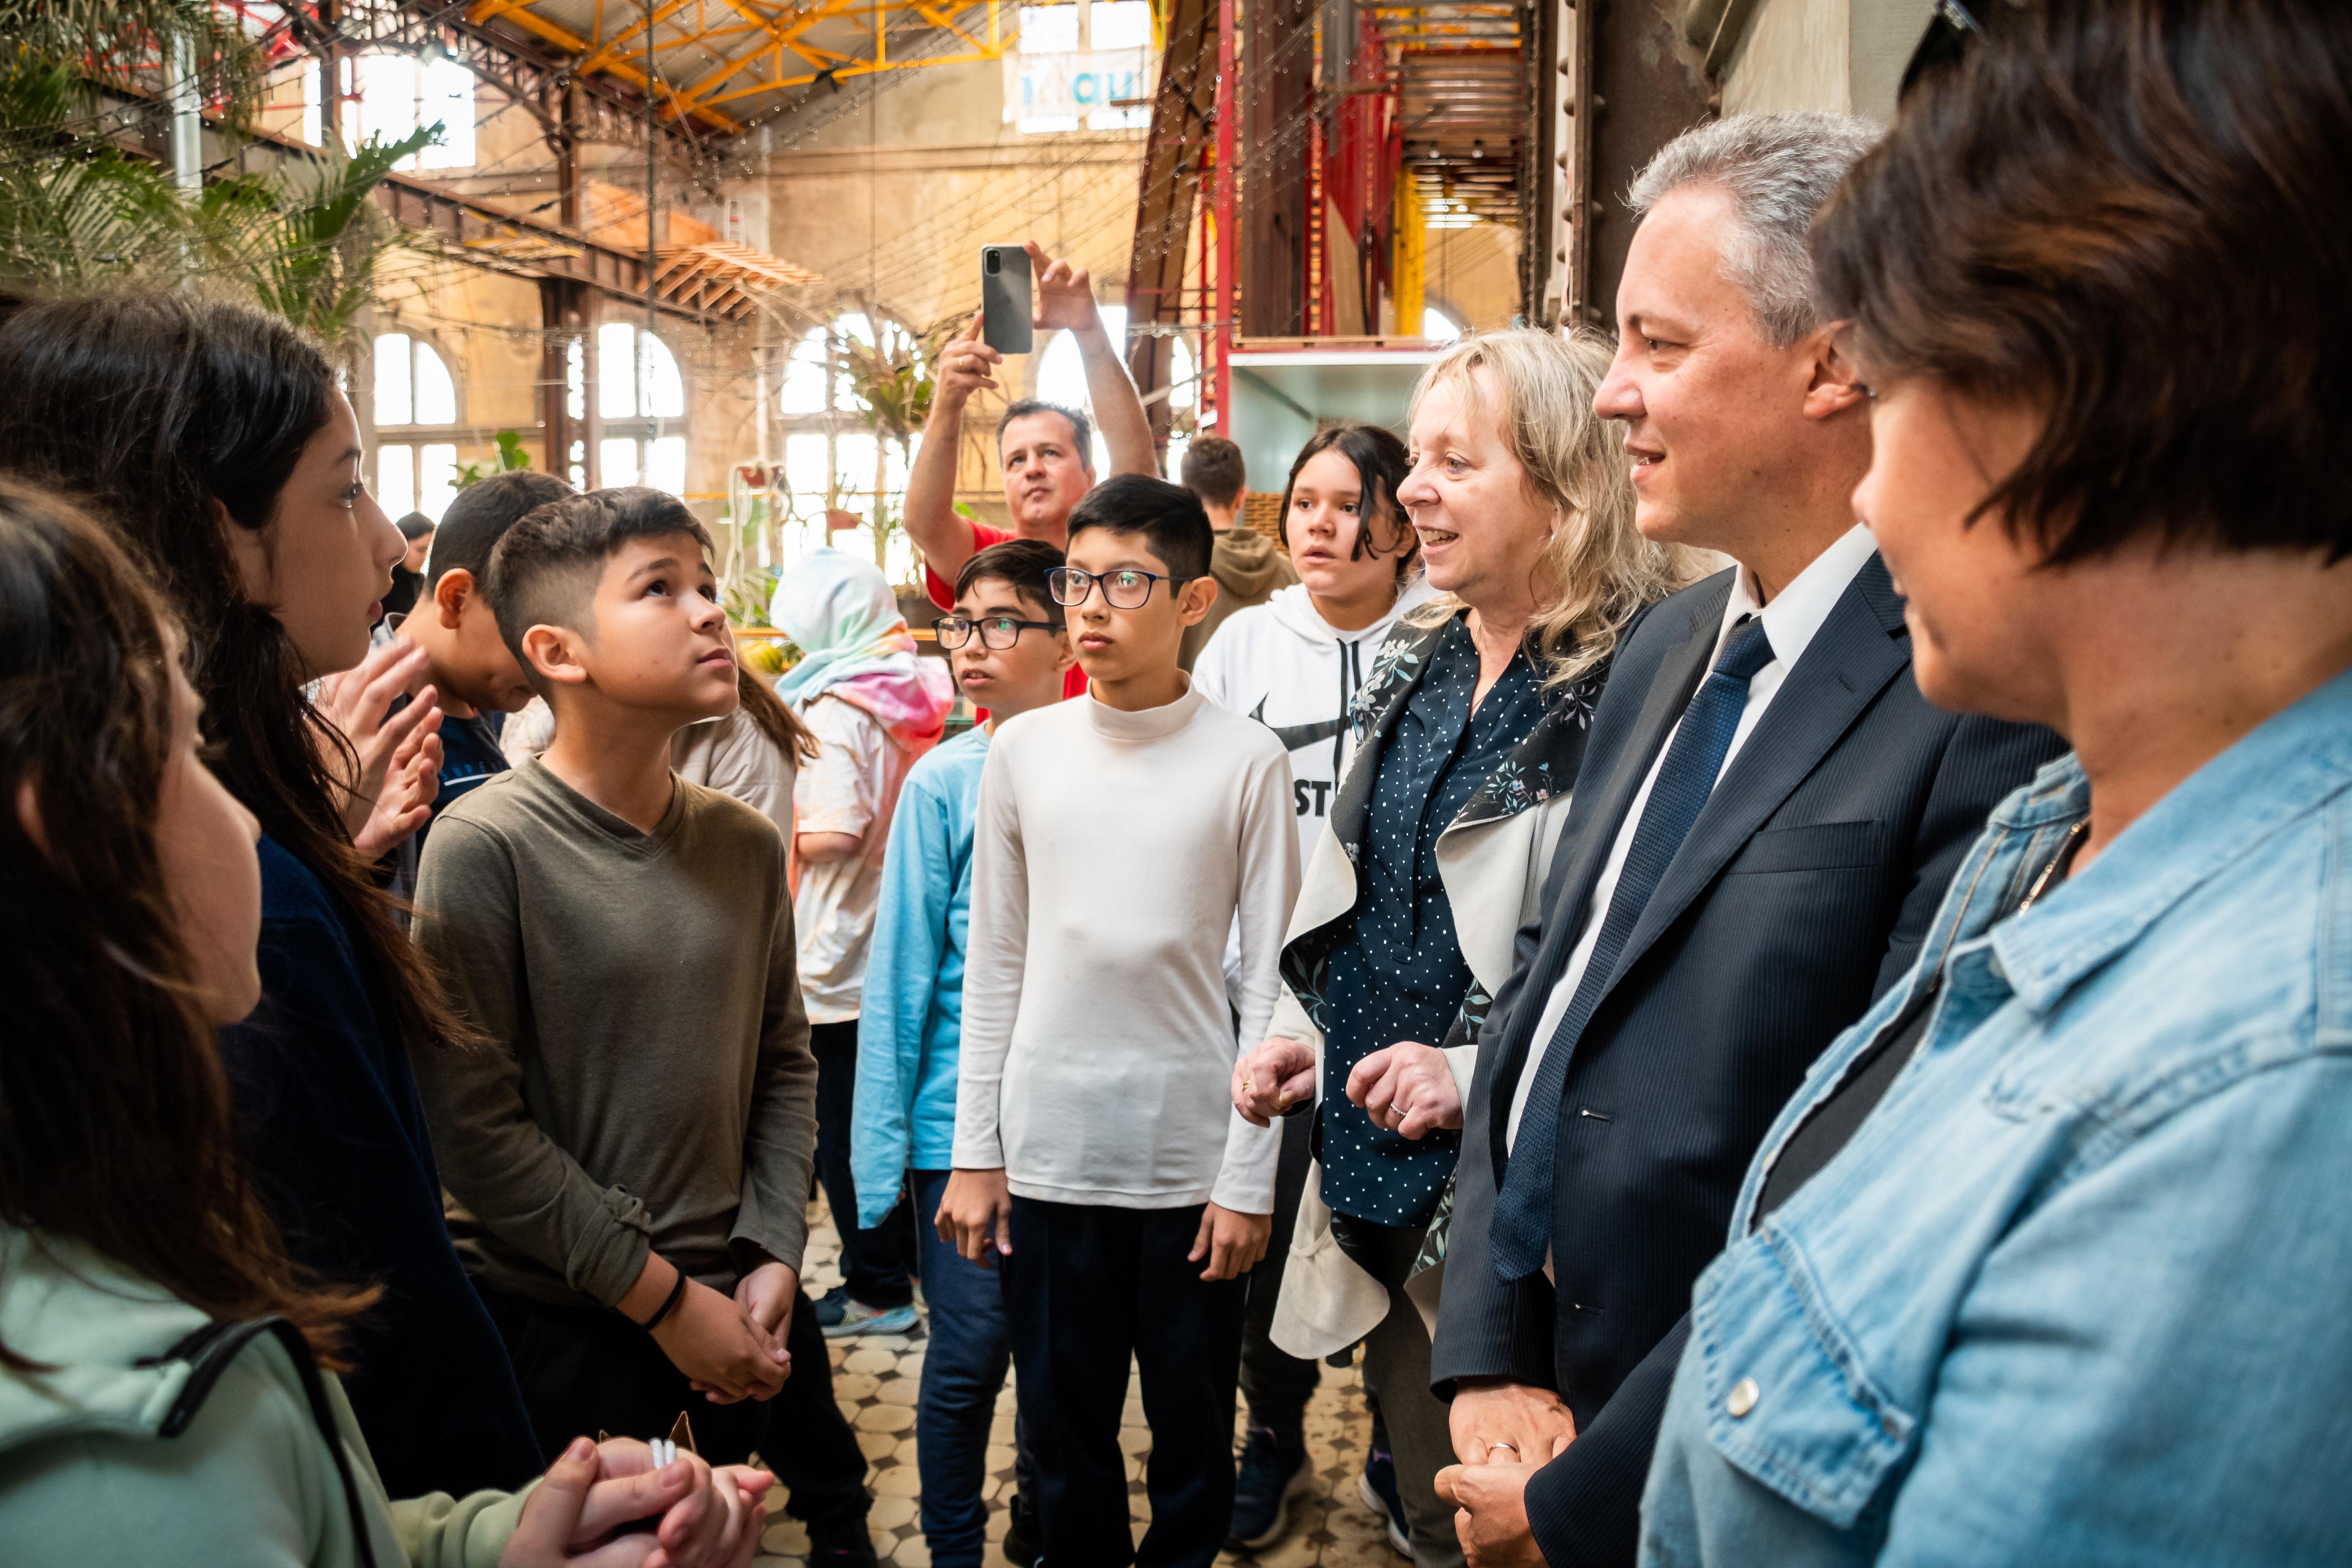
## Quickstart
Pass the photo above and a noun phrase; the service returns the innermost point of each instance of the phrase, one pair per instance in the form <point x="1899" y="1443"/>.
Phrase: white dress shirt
<point x="1790" y="620"/>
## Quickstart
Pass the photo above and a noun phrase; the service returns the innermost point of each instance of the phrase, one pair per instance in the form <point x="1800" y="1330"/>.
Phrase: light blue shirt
<point x="2076" y="1291"/>
<point x="911" y="1023"/>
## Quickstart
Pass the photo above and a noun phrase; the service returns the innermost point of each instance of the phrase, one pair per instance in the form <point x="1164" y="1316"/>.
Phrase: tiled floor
<point x="875" y="1378"/>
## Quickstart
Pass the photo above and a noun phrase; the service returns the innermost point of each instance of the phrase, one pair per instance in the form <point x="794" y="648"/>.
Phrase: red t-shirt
<point x="943" y="593"/>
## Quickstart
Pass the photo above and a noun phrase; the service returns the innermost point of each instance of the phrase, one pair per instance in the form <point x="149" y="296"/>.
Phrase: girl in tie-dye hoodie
<point x="874" y="706"/>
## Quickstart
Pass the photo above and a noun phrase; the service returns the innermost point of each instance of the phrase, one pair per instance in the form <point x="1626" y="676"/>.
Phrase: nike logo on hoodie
<point x="1296" y="737"/>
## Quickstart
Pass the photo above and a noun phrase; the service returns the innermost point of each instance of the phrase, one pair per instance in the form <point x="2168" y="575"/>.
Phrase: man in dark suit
<point x="1765" y="820"/>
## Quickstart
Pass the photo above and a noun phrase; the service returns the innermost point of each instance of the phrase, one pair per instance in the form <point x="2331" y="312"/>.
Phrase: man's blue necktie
<point x="1521" y="1233"/>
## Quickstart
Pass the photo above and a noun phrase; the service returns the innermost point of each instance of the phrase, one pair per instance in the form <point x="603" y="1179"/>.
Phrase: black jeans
<point x="1085" y="1286"/>
<point x="1275" y="1384"/>
<point x="585" y="1371"/>
<point x="874" y="1264"/>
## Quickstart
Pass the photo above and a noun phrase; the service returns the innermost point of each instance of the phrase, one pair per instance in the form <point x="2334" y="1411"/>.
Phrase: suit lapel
<point x="1594" y="819"/>
<point x="1857" y="651"/>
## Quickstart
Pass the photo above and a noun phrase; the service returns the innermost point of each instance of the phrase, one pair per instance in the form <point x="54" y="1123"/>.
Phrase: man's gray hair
<point x="1779" y="170"/>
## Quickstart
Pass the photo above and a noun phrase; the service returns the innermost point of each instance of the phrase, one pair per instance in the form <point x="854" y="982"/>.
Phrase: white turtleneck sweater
<point x="1112" y="852"/>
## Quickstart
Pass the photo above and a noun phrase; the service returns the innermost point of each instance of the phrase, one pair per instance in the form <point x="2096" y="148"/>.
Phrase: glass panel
<point x="854" y="461"/>
<point x="1048" y="30"/>
<point x="387" y="107"/>
<point x="393" y="403"/>
<point x="436" y="478"/>
<point x="1436" y="324"/>
<point x="446" y="89"/>
<point x="396" y="480"/>
<point x="1120" y="24"/>
<point x="806" y="466"/>
<point x="1182" y="392"/>
<point x="854" y="327"/>
<point x="575" y="379"/>
<point x="576" y="465"/>
<point x="436" y="394"/>
<point x="314" y="105"/>
<point x="618" y="460"/>
<point x="803" y="388"/>
<point x="1176" y="444"/>
<point x="666" y="464"/>
<point x="617" y="373"/>
<point x="664" y="389"/>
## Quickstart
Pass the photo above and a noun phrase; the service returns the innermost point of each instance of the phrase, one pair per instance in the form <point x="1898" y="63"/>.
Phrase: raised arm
<point x="944" y="538"/>
<point x="1066" y="298"/>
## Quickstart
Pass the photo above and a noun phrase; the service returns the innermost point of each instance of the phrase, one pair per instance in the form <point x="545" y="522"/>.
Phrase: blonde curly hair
<point x="1598" y="571"/>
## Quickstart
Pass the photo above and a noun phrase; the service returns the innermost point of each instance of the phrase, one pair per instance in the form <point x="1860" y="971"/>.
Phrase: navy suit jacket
<point x="1804" y="890"/>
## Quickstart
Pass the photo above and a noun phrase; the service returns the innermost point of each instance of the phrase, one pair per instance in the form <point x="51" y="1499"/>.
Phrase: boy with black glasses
<point x="1097" y="1155"/>
<point x="1006" y="644"/>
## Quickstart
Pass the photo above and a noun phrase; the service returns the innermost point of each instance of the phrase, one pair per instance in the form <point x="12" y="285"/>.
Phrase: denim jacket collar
<point x="2273" y="775"/>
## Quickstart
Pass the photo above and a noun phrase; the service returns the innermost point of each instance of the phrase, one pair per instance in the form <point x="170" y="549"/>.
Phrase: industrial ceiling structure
<point x="725" y="65"/>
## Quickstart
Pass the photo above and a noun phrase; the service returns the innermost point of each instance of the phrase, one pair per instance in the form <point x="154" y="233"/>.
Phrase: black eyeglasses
<point x="998" y="632"/>
<point x="1125" y="589"/>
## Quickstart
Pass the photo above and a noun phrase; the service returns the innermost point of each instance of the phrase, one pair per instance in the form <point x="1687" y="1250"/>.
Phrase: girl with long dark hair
<point x="213" y="441"/>
<point x="166" y="1371"/>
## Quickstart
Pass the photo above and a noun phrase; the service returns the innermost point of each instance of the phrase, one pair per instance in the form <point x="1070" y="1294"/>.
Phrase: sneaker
<point x="828" y="1308"/>
<point x="1272" y="1472"/>
<point x="857" y="1318"/>
<point x="857" y="1553"/>
<point x="1378" y="1487"/>
<point x="1023" y="1545"/>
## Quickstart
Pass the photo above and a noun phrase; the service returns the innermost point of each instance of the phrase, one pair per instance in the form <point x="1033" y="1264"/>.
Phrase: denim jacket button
<point x="1744" y="1394"/>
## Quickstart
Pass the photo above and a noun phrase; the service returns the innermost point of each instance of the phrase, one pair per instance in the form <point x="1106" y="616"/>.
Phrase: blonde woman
<point x="1468" y="731"/>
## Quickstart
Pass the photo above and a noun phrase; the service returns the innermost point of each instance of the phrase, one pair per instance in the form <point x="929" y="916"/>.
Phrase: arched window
<point x="833" y="460"/>
<point x="415" y="393"/>
<point x="639" y="394"/>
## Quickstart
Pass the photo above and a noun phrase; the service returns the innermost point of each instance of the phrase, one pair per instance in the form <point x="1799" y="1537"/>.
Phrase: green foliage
<point x="510" y="458"/>
<point x="128" y="41"/>
<point x="307" y="248"/>
<point x="79" y="212"/>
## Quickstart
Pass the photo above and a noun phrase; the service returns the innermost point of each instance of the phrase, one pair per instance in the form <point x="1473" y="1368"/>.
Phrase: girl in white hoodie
<point x="1293" y="664"/>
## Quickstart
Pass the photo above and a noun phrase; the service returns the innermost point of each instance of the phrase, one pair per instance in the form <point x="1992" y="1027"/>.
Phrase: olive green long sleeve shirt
<point x="648" y="1080"/>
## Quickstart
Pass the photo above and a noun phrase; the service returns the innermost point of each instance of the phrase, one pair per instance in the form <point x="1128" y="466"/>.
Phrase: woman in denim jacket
<point x="2075" y="1291"/>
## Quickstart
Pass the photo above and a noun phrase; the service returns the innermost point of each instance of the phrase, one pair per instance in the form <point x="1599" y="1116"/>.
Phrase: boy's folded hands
<point x="718" y="1343"/>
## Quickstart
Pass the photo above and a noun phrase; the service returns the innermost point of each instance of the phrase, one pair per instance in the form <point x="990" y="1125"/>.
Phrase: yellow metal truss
<point x="763" y="46"/>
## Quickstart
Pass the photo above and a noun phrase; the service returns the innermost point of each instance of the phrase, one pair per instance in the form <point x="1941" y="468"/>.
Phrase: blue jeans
<point x="963" y="1369"/>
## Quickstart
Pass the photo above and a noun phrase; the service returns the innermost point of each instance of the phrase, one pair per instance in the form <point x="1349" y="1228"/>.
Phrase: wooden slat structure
<point x="719" y="277"/>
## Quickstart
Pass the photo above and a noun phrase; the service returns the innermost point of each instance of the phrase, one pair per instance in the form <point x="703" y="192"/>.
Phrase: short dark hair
<point x="414" y="526"/>
<point x="1170" y="518"/>
<point x="1020" y="563"/>
<point x="544" y="571"/>
<point x="480" y="516"/>
<point x="1082" y="429"/>
<point x="1213" y="470"/>
<point x="1382" y="463"/>
<point x="2106" y="209"/>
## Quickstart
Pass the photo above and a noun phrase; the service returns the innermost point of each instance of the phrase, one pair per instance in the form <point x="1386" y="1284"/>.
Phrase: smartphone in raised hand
<point x="1006" y="310"/>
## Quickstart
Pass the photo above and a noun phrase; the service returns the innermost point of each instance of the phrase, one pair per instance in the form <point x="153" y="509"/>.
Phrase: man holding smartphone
<point x="1047" y="451"/>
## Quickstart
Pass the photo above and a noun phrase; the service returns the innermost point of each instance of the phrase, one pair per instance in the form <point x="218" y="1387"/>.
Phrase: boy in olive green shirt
<point x="630" y="1157"/>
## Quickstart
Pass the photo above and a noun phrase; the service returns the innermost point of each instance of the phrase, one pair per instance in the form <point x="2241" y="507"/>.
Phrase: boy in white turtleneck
<point x="1097" y="1155"/>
